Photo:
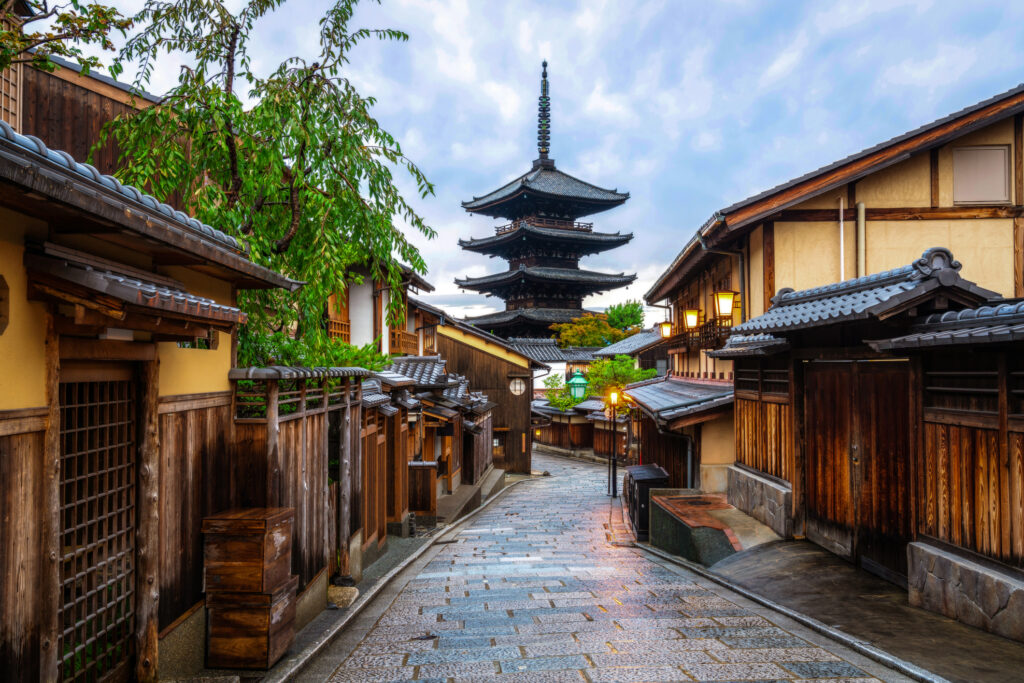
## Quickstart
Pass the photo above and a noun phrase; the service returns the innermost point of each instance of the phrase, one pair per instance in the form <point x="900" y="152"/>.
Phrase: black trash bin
<point x="640" y="479"/>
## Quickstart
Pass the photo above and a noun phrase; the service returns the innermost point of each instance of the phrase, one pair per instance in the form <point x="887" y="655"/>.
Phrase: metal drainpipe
<point x="861" y="240"/>
<point x="743" y="272"/>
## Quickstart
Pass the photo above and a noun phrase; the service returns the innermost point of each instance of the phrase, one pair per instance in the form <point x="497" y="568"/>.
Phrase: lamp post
<point x="613" y="465"/>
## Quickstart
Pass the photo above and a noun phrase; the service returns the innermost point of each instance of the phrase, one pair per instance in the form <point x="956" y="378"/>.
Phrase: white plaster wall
<point x="360" y="312"/>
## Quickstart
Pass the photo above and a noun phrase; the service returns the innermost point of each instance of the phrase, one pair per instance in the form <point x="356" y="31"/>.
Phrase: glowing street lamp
<point x="613" y="460"/>
<point x="666" y="329"/>
<point x="724" y="303"/>
<point x="691" y="318"/>
<point x="578" y="386"/>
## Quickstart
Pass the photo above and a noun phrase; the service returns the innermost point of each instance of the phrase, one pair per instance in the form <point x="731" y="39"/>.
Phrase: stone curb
<point x="291" y="666"/>
<point x="867" y="649"/>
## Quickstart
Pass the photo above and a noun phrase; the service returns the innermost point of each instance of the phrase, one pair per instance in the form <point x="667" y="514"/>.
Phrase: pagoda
<point x="543" y="243"/>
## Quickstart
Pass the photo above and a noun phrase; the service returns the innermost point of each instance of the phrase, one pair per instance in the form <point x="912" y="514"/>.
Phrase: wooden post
<point x="798" y="481"/>
<point x="49" y="580"/>
<point x="345" y="480"/>
<point x="274" y="477"/>
<point x="147" y="534"/>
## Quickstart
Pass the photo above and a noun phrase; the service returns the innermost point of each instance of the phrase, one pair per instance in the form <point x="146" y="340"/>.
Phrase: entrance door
<point x="97" y="498"/>
<point x="857" y="417"/>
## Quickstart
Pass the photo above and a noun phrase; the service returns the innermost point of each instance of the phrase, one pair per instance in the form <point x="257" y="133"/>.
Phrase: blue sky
<point x="690" y="106"/>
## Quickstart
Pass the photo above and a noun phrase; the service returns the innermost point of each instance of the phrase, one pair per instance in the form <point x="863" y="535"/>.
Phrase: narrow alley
<point x="533" y="589"/>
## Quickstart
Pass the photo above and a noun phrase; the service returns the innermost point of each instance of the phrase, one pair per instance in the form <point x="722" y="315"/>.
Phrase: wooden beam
<point x="934" y="170"/>
<point x="73" y="348"/>
<point x="768" y="250"/>
<point x="1018" y="159"/>
<point x="1018" y="256"/>
<point x="49" y="578"/>
<point x="900" y="214"/>
<point x="147" y="535"/>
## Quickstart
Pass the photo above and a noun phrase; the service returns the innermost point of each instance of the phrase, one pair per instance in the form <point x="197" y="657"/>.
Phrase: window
<point x="981" y="175"/>
<point x="517" y="386"/>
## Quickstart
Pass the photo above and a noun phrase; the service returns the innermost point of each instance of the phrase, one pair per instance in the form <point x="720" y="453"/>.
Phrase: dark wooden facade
<point x="604" y="437"/>
<point x="677" y="453"/>
<point x="763" y="414"/>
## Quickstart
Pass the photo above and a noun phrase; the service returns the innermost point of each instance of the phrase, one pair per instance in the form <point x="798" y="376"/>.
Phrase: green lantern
<point x="577" y="386"/>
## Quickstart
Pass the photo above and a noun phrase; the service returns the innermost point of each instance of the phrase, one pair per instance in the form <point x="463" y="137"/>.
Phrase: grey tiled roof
<point x="668" y="398"/>
<point x="278" y="372"/>
<point x="127" y="192"/>
<point x="458" y="391"/>
<point x="750" y="346"/>
<point x="543" y="315"/>
<point x="589" y="242"/>
<point x="544" y="274"/>
<point x="542" y="350"/>
<point x="631" y="344"/>
<point x="551" y="182"/>
<point x="425" y="371"/>
<point x="997" y="323"/>
<point x="580" y="354"/>
<point x="589" y="405"/>
<point x="393" y="379"/>
<point x="864" y="297"/>
<point x="373" y="395"/>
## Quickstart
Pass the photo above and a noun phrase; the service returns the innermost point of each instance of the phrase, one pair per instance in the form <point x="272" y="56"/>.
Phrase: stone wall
<point x="763" y="499"/>
<point x="966" y="590"/>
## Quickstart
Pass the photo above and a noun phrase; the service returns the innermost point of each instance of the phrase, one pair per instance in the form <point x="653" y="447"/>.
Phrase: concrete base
<point x="702" y="545"/>
<point x="964" y="589"/>
<point x="763" y="499"/>
<point x="403" y="528"/>
<point x="586" y="454"/>
<point x="355" y="556"/>
<point x="312" y="601"/>
<point x="466" y="497"/>
<point x="183" y="650"/>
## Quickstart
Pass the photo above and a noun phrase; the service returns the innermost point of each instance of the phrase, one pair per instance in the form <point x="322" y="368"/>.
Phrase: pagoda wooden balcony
<point x="340" y="329"/>
<point x="401" y="341"/>
<point x="545" y="223"/>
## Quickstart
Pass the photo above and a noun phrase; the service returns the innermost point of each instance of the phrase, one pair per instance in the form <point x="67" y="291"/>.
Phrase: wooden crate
<point x="248" y="550"/>
<point x="250" y="630"/>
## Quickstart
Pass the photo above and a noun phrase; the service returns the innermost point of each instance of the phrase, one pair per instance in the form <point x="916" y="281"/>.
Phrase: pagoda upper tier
<point x="544" y="191"/>
<point x="526" y="236"/>
<point x="536" y="278"/>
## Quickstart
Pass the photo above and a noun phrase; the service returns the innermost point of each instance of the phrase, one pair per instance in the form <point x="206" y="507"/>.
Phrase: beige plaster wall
<point x="717" y="452"/>
<point x="807" y="254"/>
<point x="907" y="183"/>
<point x="755" y="293"/>
<point x="22" y="344"/>
<point x="1000" y="133"/>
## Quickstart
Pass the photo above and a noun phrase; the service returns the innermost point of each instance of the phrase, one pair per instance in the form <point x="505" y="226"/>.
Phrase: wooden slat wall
<point x="479" y="456"/>
<point x="194" y="483"/>
<point x="669" y="452"/>
<point x="21" y="527"/>
<point x="764" y="436"/>
<point x="603" y="442"/>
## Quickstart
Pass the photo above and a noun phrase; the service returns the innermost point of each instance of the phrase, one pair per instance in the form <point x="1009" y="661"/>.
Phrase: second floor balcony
<point x="403" y="342"/>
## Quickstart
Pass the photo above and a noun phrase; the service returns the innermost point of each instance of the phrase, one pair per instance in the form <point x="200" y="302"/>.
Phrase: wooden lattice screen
<point x="97" y="489"/>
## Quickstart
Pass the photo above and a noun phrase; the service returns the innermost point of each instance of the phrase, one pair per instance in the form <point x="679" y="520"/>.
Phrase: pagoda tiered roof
<point x="525" y="321"/>
<point x="580" y="240"/>
<point x="575" y="278"/>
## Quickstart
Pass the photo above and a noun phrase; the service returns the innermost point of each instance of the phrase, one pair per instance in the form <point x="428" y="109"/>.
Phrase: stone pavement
<point x="532" y="589"/>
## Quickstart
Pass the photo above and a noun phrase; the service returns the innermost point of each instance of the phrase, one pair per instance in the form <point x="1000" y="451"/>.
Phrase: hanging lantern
<point x="666" y="329"/>
<point x="578" y="386"/>
<point x="691" y="318"/>
<point x="724" y="302"/>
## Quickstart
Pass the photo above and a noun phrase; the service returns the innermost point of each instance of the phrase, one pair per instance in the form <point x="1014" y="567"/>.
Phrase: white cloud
<point x="786" y="61"/>
<point x="949" y="64"/>
<point x="707" y="140"/>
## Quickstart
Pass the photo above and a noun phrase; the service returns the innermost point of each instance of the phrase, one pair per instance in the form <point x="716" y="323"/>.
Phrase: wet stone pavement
<point x="531" y="589"/>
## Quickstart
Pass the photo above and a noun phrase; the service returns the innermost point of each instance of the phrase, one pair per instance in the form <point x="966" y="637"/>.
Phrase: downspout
<point x="862" y="250"/>
<point x="743" y="272"/>
<point x="842" y="243"/>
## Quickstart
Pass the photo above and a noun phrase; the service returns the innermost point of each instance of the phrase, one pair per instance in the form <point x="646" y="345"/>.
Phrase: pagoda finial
<point x="544" y="115"/>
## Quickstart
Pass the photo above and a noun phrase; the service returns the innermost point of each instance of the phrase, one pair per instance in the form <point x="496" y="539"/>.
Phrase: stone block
<point x="765" y="500"/>
<point x="959" y="587"/>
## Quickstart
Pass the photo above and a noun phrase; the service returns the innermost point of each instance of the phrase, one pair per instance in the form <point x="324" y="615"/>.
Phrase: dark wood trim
<point x="1018" y="256"/>
<point x="961" y="418"/>
<point x="49" y="575"/>
<point x="1018" y="159"/>
<point x="75" y="348"/>
<point x="933" y="164"/>
<point x="908" y="213"/>
<point x="184" y="402"/>
<point x="851" y="194"/>
<point x="25" y="425"/>
<point x="839" y="354"/>
<point x="768" y="249"/>
<point x="798" y="473"/>
<point x="698" y="419"/>
<point x="20" y="413"/>
<point x="147" y="548"/>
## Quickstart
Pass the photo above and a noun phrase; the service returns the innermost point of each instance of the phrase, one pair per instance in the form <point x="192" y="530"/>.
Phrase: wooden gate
<point x="97" y="498"/>
<point x="857" y="423"/>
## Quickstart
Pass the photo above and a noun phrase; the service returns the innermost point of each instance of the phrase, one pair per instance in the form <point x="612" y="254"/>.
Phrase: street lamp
<point x="577" y="386"/>
<point x="613" y="466"/>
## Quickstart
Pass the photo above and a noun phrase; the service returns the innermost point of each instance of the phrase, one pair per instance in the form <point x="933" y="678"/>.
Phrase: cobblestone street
<point x="532" y="589"/>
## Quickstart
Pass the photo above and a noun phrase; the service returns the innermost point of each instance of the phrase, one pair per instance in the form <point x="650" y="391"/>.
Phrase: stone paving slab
<point x="533" y="591"/>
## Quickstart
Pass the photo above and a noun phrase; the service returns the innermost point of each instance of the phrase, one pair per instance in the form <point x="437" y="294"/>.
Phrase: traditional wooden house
<point x="958" y="181"/>
<point x="555" y="359"/>
<point x="565" y="432"/>
<point x="647" y="348"/>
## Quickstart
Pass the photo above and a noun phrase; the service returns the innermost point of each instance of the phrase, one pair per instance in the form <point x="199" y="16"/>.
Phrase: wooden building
<point x="647" y="348"/>
<point x="543" y="243"/>
<point x="566" y="432"/>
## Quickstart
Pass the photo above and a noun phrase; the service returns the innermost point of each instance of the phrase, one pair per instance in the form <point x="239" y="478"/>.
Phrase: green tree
<point x="292" y="162"/>
<point x="33" y="31"/>
<point x="629" y="315"/>
<point x="592" y="329"/>
<point x="614" y="373"/>
<point x="558" y="393"/>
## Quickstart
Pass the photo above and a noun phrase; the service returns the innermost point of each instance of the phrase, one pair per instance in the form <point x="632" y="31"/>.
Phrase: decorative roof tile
<point x="669" y="398"/>
<point x="997" y="323"/>
<point x="425" y="371"/>
<point x="585" y="241"/>
<point x="544" y="274"/>
<point x="373" y="394"/>
<point x="750" y="346"/>
<point x="549" y="181"/>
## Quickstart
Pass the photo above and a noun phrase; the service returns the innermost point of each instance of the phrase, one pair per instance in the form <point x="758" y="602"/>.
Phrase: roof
<point x="845" y="170"/>
<point x="425" y="371"/>
<point x="873" y="296"/>
<point x="393" y="379"/>
<point x="96" y="75"/>
<point x="546" y="275"/>
<point x="750" y="346"/>
<point x="666" y="399"/>
<point x="547" y="350"/>
<point x="997" y="323"/>
<point x="84" y="187"/>
<point x="579" y="354"/>
<point x="373" y="394"/>
<point x="634" y="343"/>
<point x="546" y="181"/>
<point x="286" y="372"/>
<point x="415" y="279"/>
<point x="583" y="241"/>
<point x="539" y="315"/>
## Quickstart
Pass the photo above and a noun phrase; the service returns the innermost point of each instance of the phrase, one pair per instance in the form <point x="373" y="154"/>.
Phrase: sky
<point x="687" y="105"/>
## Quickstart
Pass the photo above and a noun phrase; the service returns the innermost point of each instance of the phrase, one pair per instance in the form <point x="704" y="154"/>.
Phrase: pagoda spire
<point x="544" y="115"/>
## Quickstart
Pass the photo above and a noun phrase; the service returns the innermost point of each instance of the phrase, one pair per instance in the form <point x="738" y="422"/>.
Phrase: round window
<point x="517" y="386"/>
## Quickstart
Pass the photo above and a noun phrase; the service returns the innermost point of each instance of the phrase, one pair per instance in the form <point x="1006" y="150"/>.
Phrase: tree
<point x="592" y="329"/>
<point x="292" y="162"/>
<point x="558" y="394"/>
<point x="63" y="29"/>
<point x="626" y="316"/>
<point x="614" y="373"/>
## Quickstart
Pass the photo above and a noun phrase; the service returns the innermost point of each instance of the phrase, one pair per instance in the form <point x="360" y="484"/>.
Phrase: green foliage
<point x="614" y="373"/>
<point x="262" y="350"/>
<point x="63" y="29"/>
<point x="592" y="329"/>
<point x="628" y="315"/>
<point x="292" y="162"/>
<point x="558" y="393"/>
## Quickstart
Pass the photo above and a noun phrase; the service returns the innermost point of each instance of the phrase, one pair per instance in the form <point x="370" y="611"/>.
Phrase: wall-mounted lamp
<point x="691" y="318"/>
<point x="666" y="329"/>
<point x="724" y="303"/>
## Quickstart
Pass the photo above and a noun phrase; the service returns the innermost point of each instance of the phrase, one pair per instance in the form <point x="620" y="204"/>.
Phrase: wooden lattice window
<point x="963" y="383"/>
<point x="97" y="492"/>
<point x="10" y="96"/>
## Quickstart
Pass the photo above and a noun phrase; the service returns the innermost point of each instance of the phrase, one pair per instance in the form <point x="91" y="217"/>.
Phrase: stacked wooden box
<point x="250" y="592"/>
